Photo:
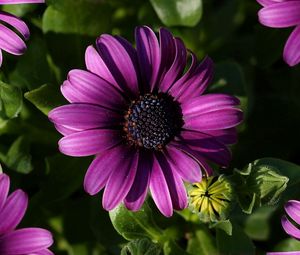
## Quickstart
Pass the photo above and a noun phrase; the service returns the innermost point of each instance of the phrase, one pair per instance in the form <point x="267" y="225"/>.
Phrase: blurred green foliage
<point x="248" y="64"/>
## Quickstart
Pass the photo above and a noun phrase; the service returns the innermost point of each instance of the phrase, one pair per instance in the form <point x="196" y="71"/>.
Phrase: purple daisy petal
<point x="148" y="52"/>
<point x="121" y="179"/>
<point x="215" y="120"/>
<point x="13" y="211"/>
<point x="266" y="2"/>
<point x="292" y="208"/>
<point x="167" y="53"/>
<point x="284" y="253"/>
<point x="25" y="241"/>
<point x="95" y="64"/>
<point x="195" y="154"/>
<point x="138" y="192"/>
<point x="291" y="52"/>
<point x="289" y="228"/>
<point x="186" y="166"/>
<point x="17" y="23"/>
<point x="11" y="42"/>
<point x="120" y="62"/>
<point x="208" y="103"/>
<point x="89" y="142"/>
<point x="101" y="168"/>
<point x="44" y="252"/>
<point x="86" y="87"/>
<point x="176" y="68"/>
<point x="226" y="136"/>
<point x="196" y="83"/>
<point x="4" y="188"/>
<point x="284" y="14"/>
<point x="175" y="184"/>
<point x="160" y="191"/>
<point x="21" y="1"/>
<point x="84" y="116"/>
<point x="208" y="146"/>
<point x="65" y="130"/>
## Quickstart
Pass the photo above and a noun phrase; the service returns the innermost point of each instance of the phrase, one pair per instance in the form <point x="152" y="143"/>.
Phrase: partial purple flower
<point x="292" y="208"/>
<point x="282" y="14"/>
<point x="26" y="241"/>
<point x="146" y="120"/>
<point x="10" y="40"/>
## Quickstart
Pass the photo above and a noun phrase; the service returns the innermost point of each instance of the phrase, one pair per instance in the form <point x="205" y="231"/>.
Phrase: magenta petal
<point x="208" y="146"/>
<point x="160" y="191"/>
<point x="226" y="136"/>
<point x="13" y="211"/>
<point x="284" y="253"/>
<point x="65" y="130"/>
<point x="84" y="116"/>
<point x="196" y="84"/>
<point x="266" y="2"/>
<point x="167" y="51"/>
<point x="208" y="103"/>
<point x="95" y="64"/>
<point x="138" y="192"/>
<point x="175" y="184"/>
<point x="101" y="168"/>
<point x="292" y="208"/>
<point x="220" y="119"/>
<point x="25" y="241"/>
<point x="284" y="14"/>
<point x="121" y="179"/>
<point x="15" y="22"/>
<point x="4" y="188"/>
<point x="86" y="87"/>
<point x="89" y="142"/>
<point x="21" y="1"/>
<point x="148" y="52"/>
<point x="186" y="166"/>
<point x="289" y="228"/>
<point x="11" y="42"/>
<point x="44" y="252"/>
<point x="195" y="154"/>
<point x="177" y="67"/>
<point x="291" y="52"/>
<point x="121" y="62"/>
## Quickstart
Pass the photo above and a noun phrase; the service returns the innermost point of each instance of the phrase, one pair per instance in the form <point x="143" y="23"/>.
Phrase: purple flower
<point x="147" y="122"/>
<point x="280" y="14"/>
<point x="292" y="208"/>
<point x="26" y="241"/>
<point x="10" y="41"/>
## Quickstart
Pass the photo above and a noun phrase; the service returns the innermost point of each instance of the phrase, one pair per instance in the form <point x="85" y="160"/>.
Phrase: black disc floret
<point x="152" y="121"/>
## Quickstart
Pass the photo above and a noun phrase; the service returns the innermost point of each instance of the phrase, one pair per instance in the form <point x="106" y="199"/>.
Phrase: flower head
<point x="147" y="122"/>
<point x="31" y="241"/>
<point x="292" y="208"/>
<point x="211" y="198"/>
<point x="281" y="14"/>
<point x="11" y="41"/>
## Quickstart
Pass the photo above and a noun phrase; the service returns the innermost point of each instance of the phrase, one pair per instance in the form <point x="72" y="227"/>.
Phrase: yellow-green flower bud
<point x="211" y="198"/>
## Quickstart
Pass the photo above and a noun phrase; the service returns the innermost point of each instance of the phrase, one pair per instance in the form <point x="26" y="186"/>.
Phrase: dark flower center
<point x="152" y="121"/>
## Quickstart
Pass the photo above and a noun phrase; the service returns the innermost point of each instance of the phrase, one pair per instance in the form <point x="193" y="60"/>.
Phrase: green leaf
<point x="225" y="226"/>
<point x="18" y="157"/>
<point x="171" y="248"/>
<point x="77" y="17"/>
<point x="19" y="9"/>
<point x="202" y="242"/>
<point x="230" y="79"/>
<point x="178" y="12"/>
<point x="257" y="225"/>
<point x="289" y="244"/>
<point x="141" y="247"/>
<point x="135" y="225"/>
<point x="65" y="176"/>
<point x="45" y="98"/>
<point x="237" y="244"/>
<point x="11" y="101"/>
<point x="35" y="67"/>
